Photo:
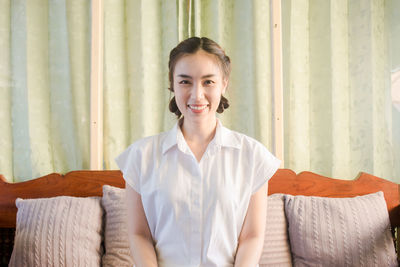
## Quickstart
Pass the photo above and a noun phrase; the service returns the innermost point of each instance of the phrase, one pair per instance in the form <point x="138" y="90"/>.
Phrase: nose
<point x="197" y="91"/>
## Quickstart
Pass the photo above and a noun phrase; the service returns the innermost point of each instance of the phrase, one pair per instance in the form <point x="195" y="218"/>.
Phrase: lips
<point x="197" y="108"/>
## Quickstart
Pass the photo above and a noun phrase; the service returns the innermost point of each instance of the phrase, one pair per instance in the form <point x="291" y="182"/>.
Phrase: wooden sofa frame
<point x="89" y="183"/>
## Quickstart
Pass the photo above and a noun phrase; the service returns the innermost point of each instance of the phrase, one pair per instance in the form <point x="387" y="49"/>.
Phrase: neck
<point x="201" y="133"/>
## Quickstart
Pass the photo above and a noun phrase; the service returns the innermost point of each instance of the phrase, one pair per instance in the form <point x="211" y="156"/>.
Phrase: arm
<point x="251" y="237"/>
<point x="140" y="240"/>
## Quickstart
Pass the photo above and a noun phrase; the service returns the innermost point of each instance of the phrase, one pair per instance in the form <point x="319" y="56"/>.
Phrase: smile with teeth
<point x="197" y="107"/>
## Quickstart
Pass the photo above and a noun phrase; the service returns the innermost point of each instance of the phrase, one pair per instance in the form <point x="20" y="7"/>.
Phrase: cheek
<point x="180" y="98"/>
<point x="216" y="97"/>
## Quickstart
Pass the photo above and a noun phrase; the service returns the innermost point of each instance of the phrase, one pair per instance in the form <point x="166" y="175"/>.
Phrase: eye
<point x="184" y="82"/>
<point x="208" y="82"/>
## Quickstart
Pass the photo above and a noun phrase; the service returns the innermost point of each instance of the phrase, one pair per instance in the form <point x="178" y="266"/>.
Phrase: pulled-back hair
<point x="191" y="46"/>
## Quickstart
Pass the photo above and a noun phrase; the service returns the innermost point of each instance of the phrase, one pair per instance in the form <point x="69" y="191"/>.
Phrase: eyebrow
<point x="188" y="76"/>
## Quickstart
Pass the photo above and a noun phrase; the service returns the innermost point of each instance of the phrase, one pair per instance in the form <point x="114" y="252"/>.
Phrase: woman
<point x="196" y="195"/>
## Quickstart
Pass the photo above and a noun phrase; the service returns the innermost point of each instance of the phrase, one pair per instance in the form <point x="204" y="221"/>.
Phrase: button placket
<point x="196" y="200"/>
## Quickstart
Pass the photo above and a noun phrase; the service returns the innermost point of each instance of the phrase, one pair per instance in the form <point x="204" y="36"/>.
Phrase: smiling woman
<point x="196" y="193"/>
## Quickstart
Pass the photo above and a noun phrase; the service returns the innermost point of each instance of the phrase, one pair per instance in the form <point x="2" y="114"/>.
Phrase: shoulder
<point x="263" y="163"/>
<point x="249" y="148"/>
<point x="242" y="141"/>
<point x="147" y="144"/>
<point x="144" y="148"/>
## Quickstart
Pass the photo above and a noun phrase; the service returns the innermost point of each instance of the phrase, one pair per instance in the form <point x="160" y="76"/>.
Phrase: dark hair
<point x="191" y="46"/>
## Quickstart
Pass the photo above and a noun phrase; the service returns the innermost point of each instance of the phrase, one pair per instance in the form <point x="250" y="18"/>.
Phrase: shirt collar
<point x="223" y="138"/>
<point x="170" y="139"/>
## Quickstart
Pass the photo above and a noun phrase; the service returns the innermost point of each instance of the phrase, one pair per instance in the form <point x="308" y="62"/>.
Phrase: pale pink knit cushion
<point x="59" y="231"/>
<point x="116" y="232"/>
<point x="340" y="231"/>
<point x="276" y="250"/>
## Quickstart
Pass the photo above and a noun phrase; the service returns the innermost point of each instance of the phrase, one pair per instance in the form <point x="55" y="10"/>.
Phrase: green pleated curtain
<point x="45" y="73"/>
<point x="338" y="55"/>
<point x="339" y="116"/>
<point x="44" y="87"/>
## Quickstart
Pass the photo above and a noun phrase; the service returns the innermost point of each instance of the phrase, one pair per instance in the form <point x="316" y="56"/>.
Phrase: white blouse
<point x="195" y="210"/>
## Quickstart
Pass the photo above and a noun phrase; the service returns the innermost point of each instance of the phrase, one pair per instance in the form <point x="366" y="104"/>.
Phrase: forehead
<point x="199" y="63"/>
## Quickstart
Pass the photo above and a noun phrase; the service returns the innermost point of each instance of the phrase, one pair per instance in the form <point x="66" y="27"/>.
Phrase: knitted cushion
<point x="116" y="232"/>
<point x="59" y="231"/>
<point x="276" y="250"/>
<point x="340" y="231"/>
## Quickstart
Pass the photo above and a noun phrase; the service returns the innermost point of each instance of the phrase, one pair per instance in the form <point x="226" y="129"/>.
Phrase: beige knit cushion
<point x="59" y="231"/>
<point x="116" y="232"/>
<point x="340" y="231"/>
<point x="276" y="250"/>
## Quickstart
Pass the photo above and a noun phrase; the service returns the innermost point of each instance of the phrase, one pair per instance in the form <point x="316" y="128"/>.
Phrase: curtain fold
<point x="19" y="98"/>
<point x="296" y="92"/>
<point x="392" y="8"/>
<point x="78" y="30"/>
<point x="340" y="86"/>
<point x="338" y="111"/>
<point x="136" y="78"/>
<point x="5" y="90"/>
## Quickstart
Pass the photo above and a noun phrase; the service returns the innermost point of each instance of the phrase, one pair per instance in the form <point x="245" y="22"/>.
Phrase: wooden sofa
<point x="89" y="183"/>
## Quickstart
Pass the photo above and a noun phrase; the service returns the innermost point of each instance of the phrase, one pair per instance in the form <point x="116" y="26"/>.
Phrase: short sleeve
<point x="266" y="165"/>
<point x="128" y="162"/>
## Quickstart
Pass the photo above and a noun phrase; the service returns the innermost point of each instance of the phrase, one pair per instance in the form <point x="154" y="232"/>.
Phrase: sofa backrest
<point x="90" y="183"/>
